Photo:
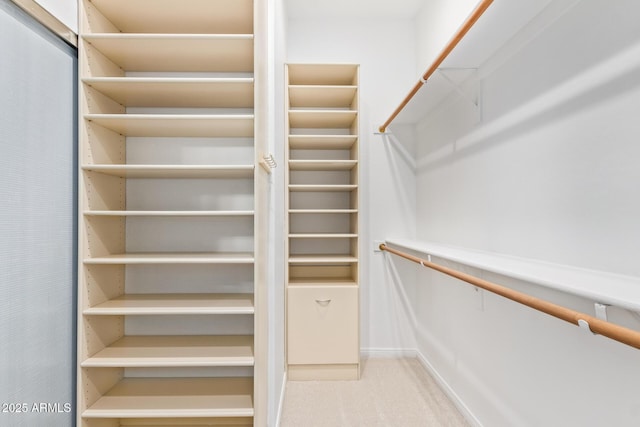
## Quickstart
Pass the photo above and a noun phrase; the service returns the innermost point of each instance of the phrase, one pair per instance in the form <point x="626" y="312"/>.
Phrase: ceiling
<point x="297" y="9"/>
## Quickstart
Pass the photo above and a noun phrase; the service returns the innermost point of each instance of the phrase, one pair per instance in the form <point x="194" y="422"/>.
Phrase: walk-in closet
<point x="302" y="213"/>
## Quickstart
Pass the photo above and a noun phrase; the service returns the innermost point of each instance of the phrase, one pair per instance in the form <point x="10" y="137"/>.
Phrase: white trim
<point x="281" y="403"/>
<point x="446" y="388"/>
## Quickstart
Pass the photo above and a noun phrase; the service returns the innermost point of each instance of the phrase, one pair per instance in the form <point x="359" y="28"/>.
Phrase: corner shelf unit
<point x="322" y="221"/>
<point x="172" y="249"/>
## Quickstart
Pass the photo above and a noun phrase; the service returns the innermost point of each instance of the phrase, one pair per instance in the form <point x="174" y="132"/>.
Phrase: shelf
<point x="322" y="165"/>
<point x="175" y="397"/>
<point x="173" y="171"/>
<point x="322" y="119"/>
<point x="176" y="92"/>
<point x="341" y="281"/>
<point x="322" y="259"/>
<point x="179" y="16"/>
<point x="174" y="258"/>
<point x="323" y="211"/>
<point x="322" y="74"/>
<point x="174" y="304"/>
<point x="169" y="213"/>
<point x="176" y="125"/>
<point x="600" y="286"/>
<point x="174" y="351"/>
<point x="176" y="52"/>
<point x="322" y="142"/>
<point x="323" y="236"/>
<point x="321" y="96"/>
<point x="322" y="188"/>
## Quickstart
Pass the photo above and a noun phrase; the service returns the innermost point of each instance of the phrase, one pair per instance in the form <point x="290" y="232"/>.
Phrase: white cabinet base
<point x="332" y="372"/>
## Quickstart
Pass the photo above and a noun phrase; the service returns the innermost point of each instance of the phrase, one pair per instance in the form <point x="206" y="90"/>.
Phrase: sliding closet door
<point x="37" y="223"/>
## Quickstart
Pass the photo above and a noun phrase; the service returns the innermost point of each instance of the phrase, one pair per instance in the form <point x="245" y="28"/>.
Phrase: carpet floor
<point x="390" y="393"/>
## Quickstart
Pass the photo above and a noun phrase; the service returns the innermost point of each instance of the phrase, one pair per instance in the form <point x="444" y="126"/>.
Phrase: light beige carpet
<point x="390" y="393"/>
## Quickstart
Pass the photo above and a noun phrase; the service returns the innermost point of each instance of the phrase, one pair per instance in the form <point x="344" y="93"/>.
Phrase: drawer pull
<point x="323" y="302"/>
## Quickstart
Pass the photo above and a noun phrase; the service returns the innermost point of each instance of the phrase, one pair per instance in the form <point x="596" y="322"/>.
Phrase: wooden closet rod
<point x="595" y="325"/>
<point x="466" y="26"/>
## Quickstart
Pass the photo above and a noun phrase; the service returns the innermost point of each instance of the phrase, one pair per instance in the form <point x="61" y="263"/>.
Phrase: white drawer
<point x="322" y="325"/>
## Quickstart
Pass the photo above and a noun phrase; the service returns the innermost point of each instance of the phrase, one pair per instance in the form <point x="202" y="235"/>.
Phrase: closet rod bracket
<point x="475" y="98"/>
<point x="601" y="311"/>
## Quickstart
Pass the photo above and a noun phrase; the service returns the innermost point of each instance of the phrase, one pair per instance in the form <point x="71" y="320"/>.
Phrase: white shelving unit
<point x="322" y="205"/>
<point x="172" y="298"/>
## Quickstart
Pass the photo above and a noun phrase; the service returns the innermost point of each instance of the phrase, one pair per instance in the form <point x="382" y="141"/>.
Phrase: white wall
<point x="385" y="51"/>
<point x="65" y="10"/>
<point x="436" y="22"/>
<point x="551" y="173"/>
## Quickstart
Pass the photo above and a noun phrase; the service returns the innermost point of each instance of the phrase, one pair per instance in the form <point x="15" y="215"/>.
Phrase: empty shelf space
<point x="322" y="165"/>
<point x="323" y="236"/>
<point x="176" y="92"/>
<point x="178" y="16"/>
<point x="176" y="125"/>
<point x="176" y="52"/>
<point x="323" y="211"/>
<point x="322" y="188"/>
<point x="322" y="74"/>
<point x="174" y="258"/>
<point x="176" y="304"/>
<point x="322" y="259"/>
<point x="319" y="281"/>
<point x="322" y="142"/>
<point x="125" y="423"/>
<point x="321" y="96"/>
<point x="328" y="119"/>
<point x="169" y="213"/>
<point x="175" y="397"/>
<point x="173" y="171"/>
<point x="175" y="351"/>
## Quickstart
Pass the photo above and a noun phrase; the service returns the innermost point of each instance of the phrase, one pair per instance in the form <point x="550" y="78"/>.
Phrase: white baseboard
<point x="446" y="388"/>
<point x="281" y="403"/>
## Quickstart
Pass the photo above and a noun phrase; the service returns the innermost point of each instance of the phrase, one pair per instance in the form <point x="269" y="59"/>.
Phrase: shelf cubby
<point x="166" y="398"/>
<point x="321" y="142"/>
<point x="159" y="213"/>
<point x="322" y="96"/>
<point x="173" y="171"/>
<point x="322" y="165"/>
<point x="173" y="258"/>
<point x="173" y="304"/>
<point x="170" y="52"/>
<point x="175" y="125"/>
<point x="318" y="119"/>
<point x="174" y="351"/>
<point x="181" y="92"/>
<point x="177" y="16"/>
